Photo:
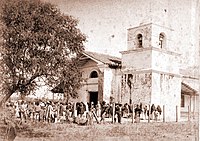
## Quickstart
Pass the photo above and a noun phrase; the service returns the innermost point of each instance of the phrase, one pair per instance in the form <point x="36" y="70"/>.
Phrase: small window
<point x="93" y="74"/>
<point x="182" y="101"/>
<point x="139" y="38"/>
<point x="161" y="40"/>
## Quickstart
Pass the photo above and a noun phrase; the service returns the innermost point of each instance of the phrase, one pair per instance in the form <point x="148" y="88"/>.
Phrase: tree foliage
<point x="38" y="41"/>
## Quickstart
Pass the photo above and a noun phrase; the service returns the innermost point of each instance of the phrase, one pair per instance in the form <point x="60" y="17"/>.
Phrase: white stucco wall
<point x="117" y="85"/>
<point x="140" y="91"/>
<point x="111" y="82"/>
<point x="165" y="61"/>
<point x="137" y="60"/>
<point x="142" y="87"/>
<point x="156" y="59"/>
<point x="166" y="90"/>
<point x="107" y="89"/>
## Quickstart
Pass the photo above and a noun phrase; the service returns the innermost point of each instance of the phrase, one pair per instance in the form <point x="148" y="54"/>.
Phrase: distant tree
<point x="38" y="41"/>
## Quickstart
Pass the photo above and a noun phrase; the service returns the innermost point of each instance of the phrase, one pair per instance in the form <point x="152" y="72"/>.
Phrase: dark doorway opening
<point x="94" y="97"/>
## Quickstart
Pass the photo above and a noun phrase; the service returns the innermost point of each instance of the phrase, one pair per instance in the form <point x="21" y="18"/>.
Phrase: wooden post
<point x="130" y="101"/>
<point x="194" y="106"/>
<point x="188" y="113"/>
<point x="133" y="113"/>
<point x="149" y="114"/>
<point x="58" y="110"/>
<point x="113" y="115"/>
<point x="190" y="106"/>
<point x="74" y="113"/>
<point x="95" y="117"/>
<point x="163" y="113"/>
<point x="176" y="113"/>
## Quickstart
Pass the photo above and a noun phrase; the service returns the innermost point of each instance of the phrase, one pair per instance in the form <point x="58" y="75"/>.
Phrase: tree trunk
<point x="4" y="99"/>
<point x="68" y="97"/>
<point x="14" y="88"/>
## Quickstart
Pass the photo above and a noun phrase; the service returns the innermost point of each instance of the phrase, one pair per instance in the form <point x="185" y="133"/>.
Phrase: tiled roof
<point x="186" y="89"/>
<point x="104" y="58"/>
<point x="112" y="61"/>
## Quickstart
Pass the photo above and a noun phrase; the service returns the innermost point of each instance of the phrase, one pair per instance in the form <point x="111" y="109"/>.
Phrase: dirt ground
<point x="127" y="131"/>
<point x="181" y="131"/>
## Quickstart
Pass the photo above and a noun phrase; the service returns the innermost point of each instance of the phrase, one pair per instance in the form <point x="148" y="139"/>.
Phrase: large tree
<point x="38" y="41"/>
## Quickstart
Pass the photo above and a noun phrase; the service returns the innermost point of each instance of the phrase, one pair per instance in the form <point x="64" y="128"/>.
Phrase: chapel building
<point x="140" y="51"/>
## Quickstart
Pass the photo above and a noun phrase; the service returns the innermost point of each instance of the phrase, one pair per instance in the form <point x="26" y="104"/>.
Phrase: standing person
<point x="23" y="111"/>
<point x="108" y="110"/>
<point x="103" y="111"/>
<point x="142" y="113"/>
<point x="115" y="110"/>
<point x="86" y="107"/>
<point x="42" y="112"/>
<point x="67" y="110"/>
<point x="82" y="109"/>
<point x="17" y="111"/>
<point x="49" y="112"/>
<point x="55" y="112"/>
<point x="75" y="108"/>
<point x="70" y="108"/>
<point x="137" y="113"/>
<point x="145" y="112"/>
<point x="159" y="111"/>
<point x="37" y="111"/>
<point x="126" y="110"/>
<point x="91" y="113"/>
<point x="63" y="111"/>
<point x="98" y="109"/>
<point x="156" y="113"/>
<point x="78" y="108"/>
<point x="92" y="107"/>
<point x="153" y="108"/>
<point x="30" y="110"/>
<point x="61" y="108"/>
<point x="118" y="111"/>
<point x="45" y="111"/>
<point x="58" y="111"/>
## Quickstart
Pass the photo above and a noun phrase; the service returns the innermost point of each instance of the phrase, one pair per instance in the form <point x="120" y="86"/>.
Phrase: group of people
<point x="148" y="112"/>
<point x="82" y="113"/>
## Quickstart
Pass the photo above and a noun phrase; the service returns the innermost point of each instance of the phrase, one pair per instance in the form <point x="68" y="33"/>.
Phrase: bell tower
<point x="150" y="69"/>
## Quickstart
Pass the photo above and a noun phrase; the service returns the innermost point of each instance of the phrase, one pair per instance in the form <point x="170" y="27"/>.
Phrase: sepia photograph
<point x="99" y="70"/>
